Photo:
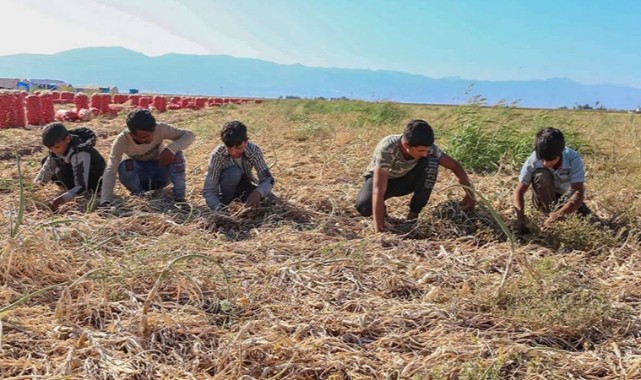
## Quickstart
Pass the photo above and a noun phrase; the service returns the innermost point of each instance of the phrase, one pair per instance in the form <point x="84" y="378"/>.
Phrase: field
<point x="304" y="289"/>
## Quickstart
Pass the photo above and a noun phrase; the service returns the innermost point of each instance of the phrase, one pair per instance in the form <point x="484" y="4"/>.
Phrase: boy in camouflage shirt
<point x="404" y="164"/>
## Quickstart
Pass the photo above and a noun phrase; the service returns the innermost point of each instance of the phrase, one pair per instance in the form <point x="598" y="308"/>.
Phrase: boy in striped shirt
<point x="230" y="176"/>
<point x="407" y="164"/>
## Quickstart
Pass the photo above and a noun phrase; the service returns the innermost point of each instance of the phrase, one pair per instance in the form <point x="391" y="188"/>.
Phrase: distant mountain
<point x="229" y="76"/>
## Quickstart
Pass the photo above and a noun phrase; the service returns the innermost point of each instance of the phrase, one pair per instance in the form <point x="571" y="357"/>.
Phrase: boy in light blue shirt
<point x="557" y="176"/>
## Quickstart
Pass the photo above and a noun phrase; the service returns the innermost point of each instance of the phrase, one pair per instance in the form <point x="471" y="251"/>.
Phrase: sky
<point x="591" y="42"/>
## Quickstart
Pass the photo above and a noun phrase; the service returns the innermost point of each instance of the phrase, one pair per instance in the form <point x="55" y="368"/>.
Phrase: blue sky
<point x="591" y="42"/>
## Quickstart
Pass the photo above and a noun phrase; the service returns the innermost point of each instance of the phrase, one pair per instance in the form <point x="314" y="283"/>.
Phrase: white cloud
<point x="56" y="25"/>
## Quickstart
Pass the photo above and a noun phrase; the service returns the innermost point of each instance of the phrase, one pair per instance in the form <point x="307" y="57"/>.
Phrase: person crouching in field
<point x="72" y="163"/>
<point x="404" y="164"/>
<point x="556" y="174"/>
<point x="150" y="165"/>
<point x="229" y="175"/>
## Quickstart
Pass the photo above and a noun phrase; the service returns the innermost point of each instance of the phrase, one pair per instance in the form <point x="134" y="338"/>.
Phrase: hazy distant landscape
<point x="221" y="75"/>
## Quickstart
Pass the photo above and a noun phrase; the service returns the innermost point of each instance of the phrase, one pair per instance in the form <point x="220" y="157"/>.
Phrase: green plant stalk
<point x="29" y="296"/>
<point x="93" y="200"/>
<point x="190" y="215"/>
<point x="56" y="222"/>
<point x="508" y="233"/>
<point x="16" y="225"/>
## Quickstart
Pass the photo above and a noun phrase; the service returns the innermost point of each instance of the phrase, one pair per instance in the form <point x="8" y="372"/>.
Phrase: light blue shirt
<point x="571" y="170"/>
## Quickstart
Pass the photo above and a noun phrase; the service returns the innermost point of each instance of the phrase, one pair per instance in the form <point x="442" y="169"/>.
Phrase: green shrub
<point x="486" y="139"/>
<point x="310" y="129"/>
<point x="476" y="149"/>
<point x="474" y="144"/>
<point x="367" y="113"/>
<point x="383" y="114"/>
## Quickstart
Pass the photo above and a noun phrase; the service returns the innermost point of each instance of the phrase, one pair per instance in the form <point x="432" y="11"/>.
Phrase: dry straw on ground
<point x="301" y="288"/>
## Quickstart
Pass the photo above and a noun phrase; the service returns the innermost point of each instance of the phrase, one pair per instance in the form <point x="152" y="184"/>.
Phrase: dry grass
<point x="304" y="289"/>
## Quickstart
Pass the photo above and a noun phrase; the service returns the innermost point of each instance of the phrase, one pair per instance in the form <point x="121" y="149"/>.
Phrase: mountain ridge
<point x="224" y="75"/>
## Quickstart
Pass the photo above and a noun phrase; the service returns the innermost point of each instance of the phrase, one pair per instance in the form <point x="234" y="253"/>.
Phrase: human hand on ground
<point x="56" y="203"/>
<point x="468" y="203"/>
<point x="553" y="218"/>
<point x="253" y="200"/>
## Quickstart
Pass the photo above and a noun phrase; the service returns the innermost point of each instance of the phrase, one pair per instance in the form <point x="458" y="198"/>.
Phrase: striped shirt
<point x="220" y="160"/>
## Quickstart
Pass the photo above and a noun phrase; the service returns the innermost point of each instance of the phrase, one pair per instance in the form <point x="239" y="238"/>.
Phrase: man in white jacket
<point x="150" y="164"/>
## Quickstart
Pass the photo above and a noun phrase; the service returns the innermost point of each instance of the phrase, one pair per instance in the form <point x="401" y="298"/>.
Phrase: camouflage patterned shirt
<point x="388" y="156"/>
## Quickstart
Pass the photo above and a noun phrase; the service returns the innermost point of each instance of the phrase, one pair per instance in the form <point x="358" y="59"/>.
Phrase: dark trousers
<point x="64" y="177"/>
<point x="234" y="185"/>
<point x="140" y="176"/>
<point x="419" y="181"/>
<point x="544" y="195"/>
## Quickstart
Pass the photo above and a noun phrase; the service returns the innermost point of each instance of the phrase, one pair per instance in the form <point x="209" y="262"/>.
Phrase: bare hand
<point x="553" y="218"/>
<point x="253" y="200"/>
<point x="56" y="203"/>
<point x="522" y="228"/>
<point x="468" y="203"/>
<point x="166" y="158"/>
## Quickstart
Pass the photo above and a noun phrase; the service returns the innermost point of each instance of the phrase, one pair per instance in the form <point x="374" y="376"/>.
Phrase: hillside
<point x="229" y="76"/>
<point x="304" y="289"/>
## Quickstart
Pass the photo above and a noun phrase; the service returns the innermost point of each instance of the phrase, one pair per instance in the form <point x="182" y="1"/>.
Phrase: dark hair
<point x="549" y="144"/>
<point x="233" y="133"/>
<point x="141" y="120"/>
<point x="53" y="133"/>
<point x="418" y="133"/>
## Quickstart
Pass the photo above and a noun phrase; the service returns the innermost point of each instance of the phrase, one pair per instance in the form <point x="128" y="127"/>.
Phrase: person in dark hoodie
<point x="72" y="163"/>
